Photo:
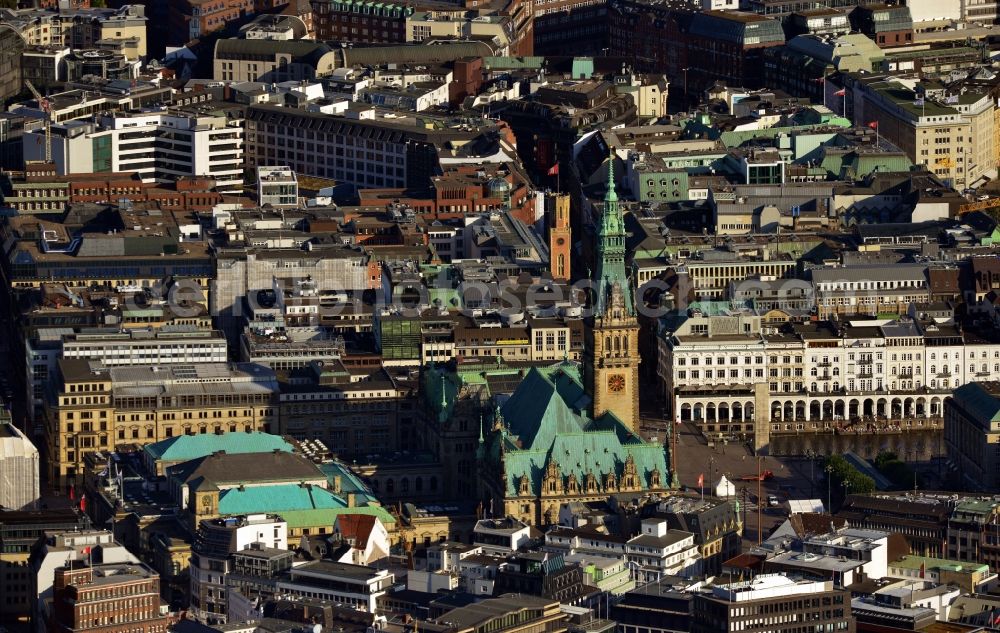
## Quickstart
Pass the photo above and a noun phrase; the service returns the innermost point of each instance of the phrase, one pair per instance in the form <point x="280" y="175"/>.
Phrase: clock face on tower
<point x="616" y="383"/>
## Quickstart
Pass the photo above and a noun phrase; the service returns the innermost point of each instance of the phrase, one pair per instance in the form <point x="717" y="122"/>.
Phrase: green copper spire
<point x="611" y="195"/>
<point x="611" y="276"/>
<point x="443" y="412"/>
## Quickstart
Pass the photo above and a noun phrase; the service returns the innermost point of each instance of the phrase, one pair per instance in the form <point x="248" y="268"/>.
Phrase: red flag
<point x="996" y="620"/>
<point x="841" y="93"/>
<point x="701" y="480"/>
<point x="873" y="125"/>
<point x="83" y="502"/>
<point x="86" y="550"/>
<point x="554" y="170"/>
<point x="72" y="492"/>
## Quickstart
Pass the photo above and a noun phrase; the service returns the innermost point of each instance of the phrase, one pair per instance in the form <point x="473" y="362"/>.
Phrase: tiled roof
<point x="357" y="527"/>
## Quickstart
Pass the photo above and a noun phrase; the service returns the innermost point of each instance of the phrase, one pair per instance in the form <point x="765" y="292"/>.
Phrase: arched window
<point x="390" y="486"/>
<point x="404" y="484"/>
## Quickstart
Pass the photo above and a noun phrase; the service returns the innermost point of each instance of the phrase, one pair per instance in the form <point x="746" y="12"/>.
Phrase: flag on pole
<point x="919" y="102"/>
<point x="873" y="125"/>
<point x="701" y="480"/>
<point x="83" y="502"/>
<point x="554" y="170"/>
<point x="841" y="93"/>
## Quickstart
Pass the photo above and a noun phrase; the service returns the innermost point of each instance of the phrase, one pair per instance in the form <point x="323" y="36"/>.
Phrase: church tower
<point x="613" y="346"/>
<point x="559" y="236"/>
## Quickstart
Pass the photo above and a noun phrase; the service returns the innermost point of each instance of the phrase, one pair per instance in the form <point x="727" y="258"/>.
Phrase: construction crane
<point x="46" y="107"/>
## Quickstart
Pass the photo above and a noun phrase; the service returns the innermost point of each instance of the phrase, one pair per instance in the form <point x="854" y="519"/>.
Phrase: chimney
<point x="351" y="501"/>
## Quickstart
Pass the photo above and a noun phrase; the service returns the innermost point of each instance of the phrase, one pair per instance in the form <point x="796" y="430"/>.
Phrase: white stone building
<point x="732" y="375"/>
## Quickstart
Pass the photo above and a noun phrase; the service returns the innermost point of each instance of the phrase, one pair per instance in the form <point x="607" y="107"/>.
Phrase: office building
<point x="159" y="146"/>
<point x="19" y="533"/>
<point x="277" y="186"/>
<point x="774" y="602"/>
<point x="18" y="468"/>
<point x="87" y="595"/>
<point x="98" y="407"/>
<point x="216" y="544"/>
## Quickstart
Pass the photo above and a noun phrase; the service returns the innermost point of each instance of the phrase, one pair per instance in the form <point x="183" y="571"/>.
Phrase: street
<point x="792" y="478"/>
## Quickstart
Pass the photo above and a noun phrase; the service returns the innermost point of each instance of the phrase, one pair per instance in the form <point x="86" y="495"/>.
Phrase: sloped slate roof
<point x="982" y="404"/>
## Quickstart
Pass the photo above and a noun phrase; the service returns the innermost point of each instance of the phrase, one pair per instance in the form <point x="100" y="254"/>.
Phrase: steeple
<point x="612" y="281"/>
<point x="481" y="448"/>
<point x="611" y="195"/>
<point x="443" y="413"/>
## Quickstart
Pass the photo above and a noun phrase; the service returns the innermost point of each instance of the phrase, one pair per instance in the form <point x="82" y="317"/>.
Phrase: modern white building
<point x="215" y="544"/>
<point x="18" y="469"/>
<point x="501" y="536"/>
<point x="659" y="551"/>
<point x="159" y="145"/>
<point x="277" y="186"/>
<point x="353" y="586"/>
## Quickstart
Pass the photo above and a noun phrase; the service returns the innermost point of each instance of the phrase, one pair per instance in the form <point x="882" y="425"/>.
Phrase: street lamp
<point x="687" y="99"/>
<point x="811" y="455"/>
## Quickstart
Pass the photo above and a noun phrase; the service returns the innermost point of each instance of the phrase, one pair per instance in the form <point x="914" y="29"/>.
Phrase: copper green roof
<point x="328" y="516"/>
<point x="546" y="418"/>
<point x="277" y="498"/>
<point x="930" y="563"/>
<point x="186" y="447"/>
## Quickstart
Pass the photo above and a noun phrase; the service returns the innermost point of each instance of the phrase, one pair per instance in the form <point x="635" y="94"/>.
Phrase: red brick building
<point x="40" y="191"/>
<point x="462" y="190"/>
<point x="694" y="50"/>
<point x="346" y="21"/>
<point x="192" y="19"/>
<point x="115" y="598"/>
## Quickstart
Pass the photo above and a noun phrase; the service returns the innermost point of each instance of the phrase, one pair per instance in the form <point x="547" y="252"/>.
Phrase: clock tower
<point x="613" y="339"/>
<point x="559" y="236"/>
